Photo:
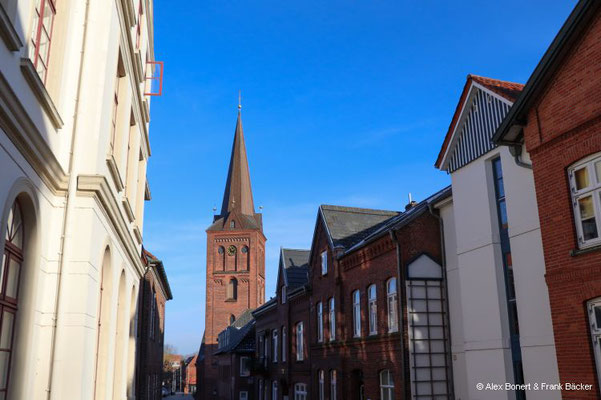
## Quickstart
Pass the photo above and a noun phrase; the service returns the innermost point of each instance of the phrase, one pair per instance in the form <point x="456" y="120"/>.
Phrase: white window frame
<point x="392" y="304"/>
<point x="243" y="395"/>
<point x="322" y="384"/>
<point x="300" y="391"/>
<point x="300" y="345"/>
<point x="324" y="263"/>
<point x="333" y="388"/>
<point x="274" y="390"/>
<point x="386" y="390"/>
<point x="372" y="308"/>
<point x="274" y="345"/>
<point x="284" y="344"/>
<point x="332" y="316"/>
<point x="593" y="190"/>
<point x="356" y="313"/>
<point x="319" y="307"/>
<point x="595" y="329"/>
<point x="244" y="371"/>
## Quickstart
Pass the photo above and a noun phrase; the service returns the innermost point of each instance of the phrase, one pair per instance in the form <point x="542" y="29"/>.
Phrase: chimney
<point x="412" y="203"/>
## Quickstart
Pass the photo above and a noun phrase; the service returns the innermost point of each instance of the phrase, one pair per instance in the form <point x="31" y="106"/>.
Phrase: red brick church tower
<point x="235" y="261"/>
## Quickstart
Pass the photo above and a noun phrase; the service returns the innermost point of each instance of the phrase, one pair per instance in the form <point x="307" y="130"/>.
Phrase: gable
<point x="423" y="267"/>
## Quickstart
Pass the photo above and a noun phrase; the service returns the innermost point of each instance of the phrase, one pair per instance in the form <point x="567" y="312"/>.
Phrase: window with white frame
<point x="324" y="263"/>
<point x="594" y="316"/>
<point x="373" y="309"/>
<point x="244" y="366"/>
<point x="319" y="307"/>
<point x="243" y="395"/>
<point x="333" y="388"/>
<point x="300" y="391"/>
<point x="300" y="347"/>
<point x="356" y="313"/>
<point x="386" y="385"/>
<point x="274" y="390"/>
<point x="332" y="316"/>
<point x="391" y="298"/>
<point x="585" y="182"/>
<point x="322" y="384"/>
<point x="284" y="344"/>
<point x="274" y="345"/>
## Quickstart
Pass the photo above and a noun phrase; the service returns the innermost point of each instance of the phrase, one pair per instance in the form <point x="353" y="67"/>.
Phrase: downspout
<point x="402" y="304"/>
<point x="70" y="196"/>
<point x="446" y="293"/>
<point x="516" y="152"/>
<point x="141" y="322"/>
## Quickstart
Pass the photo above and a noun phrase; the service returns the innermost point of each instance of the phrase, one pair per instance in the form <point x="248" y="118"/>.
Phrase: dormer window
<point x="324" y="263"/>
<point x="232" y="224"/>
<point x="283" y="294"/>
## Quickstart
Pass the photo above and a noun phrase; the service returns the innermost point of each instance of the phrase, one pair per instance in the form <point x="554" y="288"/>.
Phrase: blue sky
<point x="344" y="102"/>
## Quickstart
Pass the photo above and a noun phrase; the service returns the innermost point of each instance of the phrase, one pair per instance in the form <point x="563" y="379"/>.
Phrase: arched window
<point x="232" y="319"/>
<point x="333" y="388"/>
<point x="373" y="310"/>
<point x="319" y="322"/>
<point x="322" y="385"/>
<point x="274" y="390"/>
<point x="391" y="299"/>
<point x="356" y="314"/>
<point x="386" y="385"/>
<point x="220" y="259"/>
<point x="332" y="319"/>
<point x="232" y="289"/>
<point x="9" y="290"/>
<point x="284" y="344"/>
<point x="274" y="345"/>
<point x="232" y="224"/>
<point x="300" y="345"/>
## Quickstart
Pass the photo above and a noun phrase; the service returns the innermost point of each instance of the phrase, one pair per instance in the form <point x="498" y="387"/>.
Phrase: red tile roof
<point x="505" y="89"/>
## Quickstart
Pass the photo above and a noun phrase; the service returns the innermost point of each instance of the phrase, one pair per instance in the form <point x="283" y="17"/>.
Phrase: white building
<point x="73" y="152"/>
<point x="500" y="317"/>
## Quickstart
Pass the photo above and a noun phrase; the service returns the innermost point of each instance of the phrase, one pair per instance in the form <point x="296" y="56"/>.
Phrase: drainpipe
<point x="516" y="152"/>
<point x="446" y="293"/>
<point x="402" y="304"/>
<point x="70" y="196"/>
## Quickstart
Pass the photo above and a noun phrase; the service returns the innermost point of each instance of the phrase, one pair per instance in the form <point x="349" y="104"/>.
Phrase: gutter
<point x="516" y="152"/>
<point x="70" y="196"/>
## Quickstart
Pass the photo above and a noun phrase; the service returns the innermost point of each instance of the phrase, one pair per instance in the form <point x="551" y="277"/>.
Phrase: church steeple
<point x="238" y="192"/>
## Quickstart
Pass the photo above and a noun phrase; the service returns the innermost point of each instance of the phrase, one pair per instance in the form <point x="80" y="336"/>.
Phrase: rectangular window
<point x="373" y="310"/>
<point x="585" y="182"/>
<point x="332" y="319"/>
<point x="284" y="344"/>
<point x="244" y="366"/>
<point x="322" y="385"/>
<point x="319" y="322"/>
<point x="41" y="36"/>
<point x="300" y="346"/>
<point x="324" y="263"/>
<point x="300" y="391"/>
<point x="274" y="390"/>
<point x="594" y="311"/>
<point x="393" y="313"/>
<point x="356" y="314"/>
<point x="243" y="395"/>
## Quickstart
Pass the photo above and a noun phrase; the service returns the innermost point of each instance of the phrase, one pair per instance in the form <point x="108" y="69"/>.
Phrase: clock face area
<point x="231" y="250"/>
<point x="231" y="254"/>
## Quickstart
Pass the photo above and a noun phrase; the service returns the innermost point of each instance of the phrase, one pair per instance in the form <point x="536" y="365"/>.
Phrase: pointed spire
<point x="238" y="193"/>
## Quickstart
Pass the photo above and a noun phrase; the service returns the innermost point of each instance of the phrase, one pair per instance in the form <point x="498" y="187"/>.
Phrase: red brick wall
<point x="564" y="127"/>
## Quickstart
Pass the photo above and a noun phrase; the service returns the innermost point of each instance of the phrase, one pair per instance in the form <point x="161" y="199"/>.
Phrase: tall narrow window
<point x="244" y="366"/>
<point x="594" y="316"/>
<point x="391" y="299"/>
<point x="300" y="346"/>
<point x="324" y="263"/>
<point x="322" y="385"/>
<point x="373" y="310"/>
<point x="139" y="25"/>
<point x="332" y="316"/>
<point x="319" y="322"/>
<point x="261" y="389"/>
<point x="386" y="385"/>
<point x="41" y="36"/>
<point x="9" y="291"/>
<point x="274" y="390"/>
<point x="284" y="344"/>
<point x="232" y="289"/>
<point x="274" y="345"/>
<point x="585" y="182"/>
<point x="356" y="314"/>
<point x="283" y="294"/>
<point x="333" y="388"/>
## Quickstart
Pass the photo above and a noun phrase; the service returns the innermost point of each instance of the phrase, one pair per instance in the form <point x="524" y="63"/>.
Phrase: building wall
<point x="75" y="198"/>
<point x="481" y="351"/>
<point x="563" y="127"/>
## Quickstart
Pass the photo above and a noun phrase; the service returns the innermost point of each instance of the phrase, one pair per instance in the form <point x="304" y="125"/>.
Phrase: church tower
<point x="235" y="258"/>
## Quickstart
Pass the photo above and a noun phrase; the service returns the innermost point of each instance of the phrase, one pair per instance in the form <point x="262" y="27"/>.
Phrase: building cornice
<point x="98" y="187"/>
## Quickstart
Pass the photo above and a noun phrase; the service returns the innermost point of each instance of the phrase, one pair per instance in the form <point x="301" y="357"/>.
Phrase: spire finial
<point x="239" y="99"/>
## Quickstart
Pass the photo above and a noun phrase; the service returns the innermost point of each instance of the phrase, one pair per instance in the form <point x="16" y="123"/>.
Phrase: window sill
<point x="8" y="32"/>
<point x="38" y="88"/>
<point x="590" y="249"/>
<point x="110" y="162"/>
<point x="230" y="300"/>
<point x="138" y="234"/>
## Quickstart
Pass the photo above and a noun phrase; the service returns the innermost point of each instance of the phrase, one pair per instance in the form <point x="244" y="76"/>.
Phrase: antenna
<point x="239" y="99"/>
<point x="410" y="198"/>
<point x="214" y="209"/>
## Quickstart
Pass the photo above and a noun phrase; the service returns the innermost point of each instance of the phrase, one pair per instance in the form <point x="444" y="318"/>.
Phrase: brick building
<point x="190" y="375"/>
<point x="557" y="119"/>
<point x="154" y="293"/>
<point x="283" y="365"/>
<point x="235" y="263"/>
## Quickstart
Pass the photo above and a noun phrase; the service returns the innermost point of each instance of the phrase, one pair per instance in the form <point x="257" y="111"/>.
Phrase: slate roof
<point x="295" y="265"/>
<point x="240" y="339"/>
<point x="348" y="225"/>
<point x="506" y="89"/>
<point x="243" y="319"/>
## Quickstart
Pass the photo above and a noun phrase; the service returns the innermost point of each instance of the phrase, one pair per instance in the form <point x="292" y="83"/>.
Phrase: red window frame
<point x="139" y="25"/>
<point x="36" y="37"/>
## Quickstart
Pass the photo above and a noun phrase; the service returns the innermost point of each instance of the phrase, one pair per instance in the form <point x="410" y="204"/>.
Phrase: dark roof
<point x="347" y="226"/>
<point x="506" y="89"/>
<point x="265" y="306"/>
<point x="240" y="339"/>
<point x="158" y="264"/>
<point x="295" y="265"/>
<point x="575" y="26"/>
<point x="243" y="319"/>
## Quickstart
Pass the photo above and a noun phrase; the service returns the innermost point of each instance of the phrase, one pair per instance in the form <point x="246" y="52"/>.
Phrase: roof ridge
<point x="358" y="209"/>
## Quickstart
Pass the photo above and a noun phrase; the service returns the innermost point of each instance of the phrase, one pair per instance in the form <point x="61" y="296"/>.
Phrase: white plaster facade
<point x="82" y="192"/>
<point x="478" y="310"/>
